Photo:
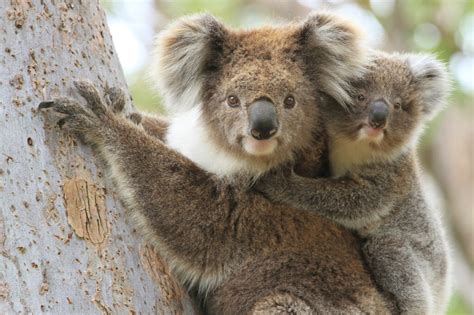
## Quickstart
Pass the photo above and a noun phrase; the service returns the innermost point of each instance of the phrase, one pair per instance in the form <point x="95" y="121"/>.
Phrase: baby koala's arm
<point x="353" y="201"/>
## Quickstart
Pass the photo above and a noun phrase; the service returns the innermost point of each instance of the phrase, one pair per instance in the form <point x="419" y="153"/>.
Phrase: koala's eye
<point x="397" y="105"/>
<point x="289" y="102"/>
<point x="361" y="97"/>
<point x="233" y="101"/>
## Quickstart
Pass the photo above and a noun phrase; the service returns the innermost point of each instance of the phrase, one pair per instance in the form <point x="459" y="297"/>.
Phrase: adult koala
<point x="244" y="102"/>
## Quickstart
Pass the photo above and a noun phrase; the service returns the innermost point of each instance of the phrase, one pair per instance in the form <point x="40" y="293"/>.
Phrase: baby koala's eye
<point x="397" y="105"/>
<point x="289" y="102"/>
<point x="233" y="101"/>
<point x="361" y="97"/>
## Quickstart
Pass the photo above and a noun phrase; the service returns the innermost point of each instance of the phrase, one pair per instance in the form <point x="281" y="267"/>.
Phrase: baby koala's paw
<point x="274" y="184"/>
<point x="116" y="98"/>
<point x="89" y="122"/>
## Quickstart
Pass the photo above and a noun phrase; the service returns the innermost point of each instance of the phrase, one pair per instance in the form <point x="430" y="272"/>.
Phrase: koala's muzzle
<point x="263" y="120"/>
<point x="378" y="114"/>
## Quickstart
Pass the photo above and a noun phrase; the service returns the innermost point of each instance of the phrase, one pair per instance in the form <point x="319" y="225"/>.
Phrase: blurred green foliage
<point x="457" y="306"/>
<point x="143" y="95"/>
<point x="225" y="10"/>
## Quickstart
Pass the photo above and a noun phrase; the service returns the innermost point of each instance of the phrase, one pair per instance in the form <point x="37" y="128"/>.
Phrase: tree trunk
<point x="65" y="244"/>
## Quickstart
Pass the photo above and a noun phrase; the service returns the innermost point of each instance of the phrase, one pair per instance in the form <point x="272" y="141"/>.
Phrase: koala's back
<point x="294" y="268"/>
<point x="414" y="220"/>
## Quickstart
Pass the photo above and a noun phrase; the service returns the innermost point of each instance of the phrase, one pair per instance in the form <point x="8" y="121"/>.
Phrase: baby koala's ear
<point x="335" y="53"/>
<point x="431" y="80"/>
<point x="184" y="52"/>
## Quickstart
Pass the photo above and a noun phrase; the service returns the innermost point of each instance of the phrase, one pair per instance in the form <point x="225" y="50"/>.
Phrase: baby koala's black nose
<point x="263" y="120"/>
<point x="378" y="114"/>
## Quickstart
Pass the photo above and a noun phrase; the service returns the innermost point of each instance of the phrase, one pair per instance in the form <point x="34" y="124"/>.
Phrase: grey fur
<point x="376" y="188"/>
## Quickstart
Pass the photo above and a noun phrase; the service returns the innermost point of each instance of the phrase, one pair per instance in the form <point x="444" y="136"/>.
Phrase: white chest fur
<point x="347" y="154"/>
<point x="189" y="136"/>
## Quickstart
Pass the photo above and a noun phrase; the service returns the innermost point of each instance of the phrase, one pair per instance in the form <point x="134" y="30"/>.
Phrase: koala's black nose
<point x="263" y="120"/>
<point x="378" y="114"/>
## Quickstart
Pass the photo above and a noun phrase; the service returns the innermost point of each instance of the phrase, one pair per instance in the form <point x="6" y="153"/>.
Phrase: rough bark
<point x="65" y="244"/>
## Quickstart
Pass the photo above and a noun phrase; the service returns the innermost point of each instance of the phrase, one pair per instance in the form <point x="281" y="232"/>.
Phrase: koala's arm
<point x="172" y="198"/>
<point x="189" y="214"/>
<point x="352" y="201"/>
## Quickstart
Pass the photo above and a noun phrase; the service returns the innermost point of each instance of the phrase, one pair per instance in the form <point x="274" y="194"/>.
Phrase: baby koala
<point x="375" y="187"/>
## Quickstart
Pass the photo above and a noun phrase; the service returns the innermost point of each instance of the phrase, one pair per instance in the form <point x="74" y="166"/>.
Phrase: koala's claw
<point x="136" y="118"/>
<point x="63" y="106"/>
<point x="89" y="122"/>
<point x="92" y="96"/>
<point x="115" y="98"/>
<point x="46" y="104"/>
<point x="75" y="113"/>
<point x="63" y="121"/>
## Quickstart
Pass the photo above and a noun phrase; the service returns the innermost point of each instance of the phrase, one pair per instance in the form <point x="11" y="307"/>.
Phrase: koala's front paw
<point x="89" y="122"/>
<point x="115" y="98"/>
<point x="274" y="184"/>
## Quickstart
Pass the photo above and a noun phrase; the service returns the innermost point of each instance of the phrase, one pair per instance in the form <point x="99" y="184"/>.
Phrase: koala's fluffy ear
<point x="431" y="81"/>
<point x="334" y="52"/>
<point x="183" y="53"/>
